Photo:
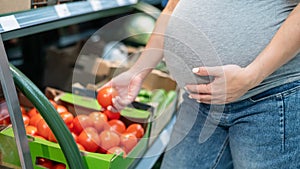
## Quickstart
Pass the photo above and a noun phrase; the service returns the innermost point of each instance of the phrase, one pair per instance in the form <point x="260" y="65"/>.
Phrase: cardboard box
<point x="96" y="69"/>
<point x="158" y="123"/>
<point x="9" y="6"/>
<point x="159" y="80"/>
<point x="93" y="68"/>
<point x="60" y="66"/>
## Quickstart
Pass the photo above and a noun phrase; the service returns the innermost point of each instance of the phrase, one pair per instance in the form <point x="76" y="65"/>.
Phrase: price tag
<point x="121" y="2"/>
<point x="62" y="10"/>
<point x="96" y="5"/>
<point x="9" y="23"/>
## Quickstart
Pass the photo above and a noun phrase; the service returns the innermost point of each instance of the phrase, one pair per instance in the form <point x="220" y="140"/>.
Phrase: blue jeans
<point x="262" y="132"/>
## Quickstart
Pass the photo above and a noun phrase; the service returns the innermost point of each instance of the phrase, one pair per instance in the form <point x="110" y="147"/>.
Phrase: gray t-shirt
<point x="216" y="32"/>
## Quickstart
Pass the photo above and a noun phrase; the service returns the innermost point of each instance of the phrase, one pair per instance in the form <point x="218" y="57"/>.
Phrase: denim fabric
<point x="262" y="132"/>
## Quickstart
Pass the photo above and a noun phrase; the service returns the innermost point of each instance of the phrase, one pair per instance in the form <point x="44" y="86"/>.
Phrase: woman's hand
<point x="128" y="85"/>
<point x="229" y="83"/>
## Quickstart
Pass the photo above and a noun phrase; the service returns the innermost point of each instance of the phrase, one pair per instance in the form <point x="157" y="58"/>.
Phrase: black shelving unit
<point x="19" y="24"/>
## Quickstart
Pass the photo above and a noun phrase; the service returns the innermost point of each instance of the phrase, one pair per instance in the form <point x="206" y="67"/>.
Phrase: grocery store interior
<point x="55" y="55"/>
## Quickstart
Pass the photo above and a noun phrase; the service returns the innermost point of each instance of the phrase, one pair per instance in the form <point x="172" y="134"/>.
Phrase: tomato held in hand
<point x="112" y="115"/>
<point x="105" y="96"/>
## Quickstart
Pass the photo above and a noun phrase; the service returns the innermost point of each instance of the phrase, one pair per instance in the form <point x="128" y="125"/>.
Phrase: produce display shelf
<point x="33" y="21"/>
<point x="19" y="24"/>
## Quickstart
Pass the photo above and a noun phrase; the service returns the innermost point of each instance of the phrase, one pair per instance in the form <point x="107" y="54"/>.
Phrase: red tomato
<point x="32" y="112"/>
<point x="109" y="139"/>
<point x="101" y="150"/>
<point x="105" y="96"/>
<point x="35" y="119"/>
<point x="128" y="140"/>
<point x="136" y="129"/>
<point x="4" y="116"/>
<point x="112" y="115"/>
<point x="80" y="122"/>
<point x="91" y="130"/>
<point x="99" y="120"/>
<point x="89" y="139"/>
<point x="44" y="162"/>
<point x="117" y="151"/>
<point x="70" y="126"/>
<point x="54" y="104"/>
<point x="75" y="137"/>
<point x="26" y="119"/>
<point x="80" y="147"/>
<point x="51" y="137"/>
<point x="67" y="117"/>
<point x="31" y="130"/>
<point x="116" y="125"/>
<point x="43" y="129"/>
<point x="59" y="166"/>
<point x="23" y="110"/>
<point x="61" y="108"/>
<point x="6" y="121"/>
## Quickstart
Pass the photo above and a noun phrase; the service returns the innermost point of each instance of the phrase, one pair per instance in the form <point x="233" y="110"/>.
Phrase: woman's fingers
<point x="199" y="88"/>
<point x="119" y="103"/>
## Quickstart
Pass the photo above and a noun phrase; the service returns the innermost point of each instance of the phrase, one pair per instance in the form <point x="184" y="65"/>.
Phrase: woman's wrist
<point x="140" y="71"/>
<point x="254" y="75"/>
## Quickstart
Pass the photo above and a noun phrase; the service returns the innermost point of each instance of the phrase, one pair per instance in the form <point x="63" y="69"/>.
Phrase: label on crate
<point x="62" y="10"/>
<point x="96" y="5"/>
<point x="9" y="23"/>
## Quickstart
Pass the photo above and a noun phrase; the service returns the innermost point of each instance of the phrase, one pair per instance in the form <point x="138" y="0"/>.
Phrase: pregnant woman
<point x="238" y="63"/>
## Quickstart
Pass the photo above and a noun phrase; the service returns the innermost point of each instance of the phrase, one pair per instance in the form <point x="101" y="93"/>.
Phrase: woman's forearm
<point x="284" y="46"/>
<point x="153" y="52"/>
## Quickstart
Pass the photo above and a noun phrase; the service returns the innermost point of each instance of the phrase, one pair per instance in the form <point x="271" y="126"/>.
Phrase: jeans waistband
<point x="278" y="89"/>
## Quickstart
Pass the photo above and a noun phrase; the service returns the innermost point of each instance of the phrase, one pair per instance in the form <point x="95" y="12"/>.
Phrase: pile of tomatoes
<point x="101" y="132"/>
